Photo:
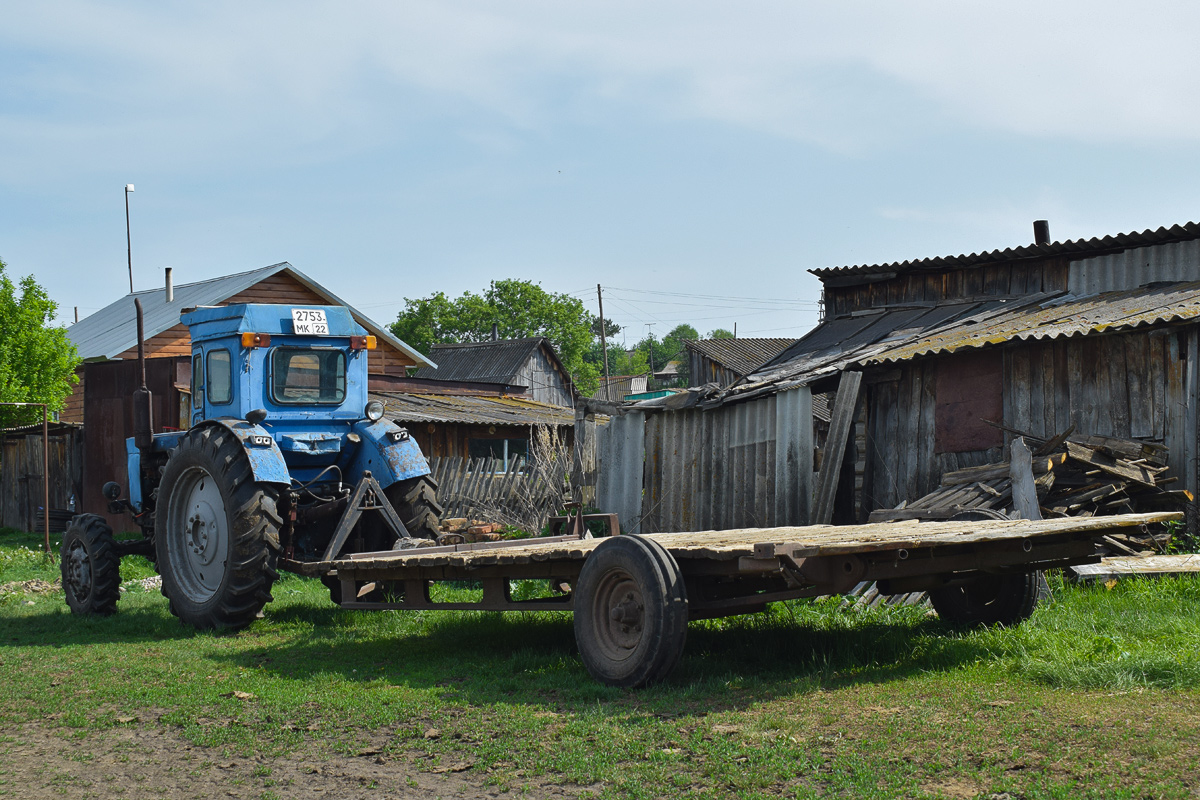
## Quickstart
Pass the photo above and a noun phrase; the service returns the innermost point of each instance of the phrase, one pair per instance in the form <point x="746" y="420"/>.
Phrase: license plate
<point x="309" y="322"/>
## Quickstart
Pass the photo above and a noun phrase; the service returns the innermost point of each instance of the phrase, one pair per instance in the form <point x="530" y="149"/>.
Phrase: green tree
<point x="518" y="309"/>
<point x="720" y="333"/>
<point x="37" y="360"/>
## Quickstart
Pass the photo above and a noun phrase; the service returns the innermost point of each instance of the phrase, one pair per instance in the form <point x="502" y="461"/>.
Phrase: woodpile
<point x="471" y="530"/>
<point x="1075" y="476"/>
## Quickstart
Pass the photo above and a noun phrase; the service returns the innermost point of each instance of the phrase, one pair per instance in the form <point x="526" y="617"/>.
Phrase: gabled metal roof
<point x="742" y="356"/>
<point x="1076" y="248"/>
<point x="490" y="362"/>
<point x="112" y="330"/>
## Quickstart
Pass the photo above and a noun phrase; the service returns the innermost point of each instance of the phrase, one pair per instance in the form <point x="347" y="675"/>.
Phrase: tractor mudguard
<point x="388" y="452"/>
<point x="266" y="459"/>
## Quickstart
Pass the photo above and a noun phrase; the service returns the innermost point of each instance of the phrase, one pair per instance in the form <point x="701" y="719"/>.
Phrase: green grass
<point x="1096" y="696"/>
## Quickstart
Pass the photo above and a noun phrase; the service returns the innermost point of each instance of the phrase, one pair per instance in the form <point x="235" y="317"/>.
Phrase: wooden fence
<point x="21" y="477"/>
<point x="518" y="493"/>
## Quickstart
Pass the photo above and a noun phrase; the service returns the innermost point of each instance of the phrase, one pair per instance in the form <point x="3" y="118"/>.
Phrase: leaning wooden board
<point x="814" y="540"/>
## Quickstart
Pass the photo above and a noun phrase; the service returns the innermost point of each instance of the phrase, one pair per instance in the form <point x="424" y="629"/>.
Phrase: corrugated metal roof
<point x="893" y="335"/>
<point x="113" y="329"/>
<point x="1076" y="248"/>
<point x="742" y="356"/>
<point x="491" y="362"/>
<point x="472" y="410"/>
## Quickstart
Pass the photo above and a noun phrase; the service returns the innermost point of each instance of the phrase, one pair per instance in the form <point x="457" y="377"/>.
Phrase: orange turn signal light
<point x="256" y="339"/>
<point x="362" y="342"/>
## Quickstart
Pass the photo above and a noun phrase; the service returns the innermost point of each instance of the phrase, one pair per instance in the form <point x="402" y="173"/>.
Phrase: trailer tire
<point x="991" y="599"/>
<point x="91" y="568"/>
<point x="216" y="532"/>
<point x="415" y="501"/>
<point x="631" y="612"/>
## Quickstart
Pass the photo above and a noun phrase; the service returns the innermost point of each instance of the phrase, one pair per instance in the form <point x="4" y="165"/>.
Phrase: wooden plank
<point x="1024" y="492"/>
<point x="1119" y="379"/>
<point x="1019" y="415"/>
<point x="1138" y="385"/>
<point x="925" y="434"/>
<point x="1075" y="387"/>
<point x="1106" y="463"/>
<point x="841" y="423"/>
<point x="1158" y="384"/>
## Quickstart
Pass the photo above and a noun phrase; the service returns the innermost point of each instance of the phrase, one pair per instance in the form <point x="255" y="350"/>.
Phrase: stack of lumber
<point x="1075" y="476"/>
<point x="471" y="530"/>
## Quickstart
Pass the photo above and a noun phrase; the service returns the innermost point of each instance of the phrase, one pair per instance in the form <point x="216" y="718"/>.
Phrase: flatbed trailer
<point x="632" y="595"/>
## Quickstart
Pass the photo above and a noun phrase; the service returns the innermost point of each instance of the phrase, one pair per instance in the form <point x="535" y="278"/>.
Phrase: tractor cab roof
<point x="214" y="322"/>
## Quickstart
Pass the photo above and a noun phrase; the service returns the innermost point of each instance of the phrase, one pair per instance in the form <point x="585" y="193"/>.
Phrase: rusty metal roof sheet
<point x="742" y="356"/>
<point x="889" y="336"/>
<point x="1081" y="248"/>
<point x="472" y="410"/>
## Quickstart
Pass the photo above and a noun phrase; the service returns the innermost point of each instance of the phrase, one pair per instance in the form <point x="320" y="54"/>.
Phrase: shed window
<point x="970" y="389"/>
<point x="498" y="448"/>
<point x="220" y="377"/>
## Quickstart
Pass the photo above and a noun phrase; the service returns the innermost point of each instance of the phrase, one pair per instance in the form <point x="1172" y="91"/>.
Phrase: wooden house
<point x="107" y="343"/>
<point x="1100" y="334"/>
<point x="531" y="363"/>
<point x="723" y="361"/>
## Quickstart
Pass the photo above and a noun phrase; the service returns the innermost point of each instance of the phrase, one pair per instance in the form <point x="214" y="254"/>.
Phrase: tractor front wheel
<point x="91" y="568"/>
<point x="216" y="532"/>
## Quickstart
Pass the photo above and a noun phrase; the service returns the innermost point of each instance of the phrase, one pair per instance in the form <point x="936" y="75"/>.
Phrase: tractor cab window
<point x="197" y="381"/>
<point x="307" y="375"/>
<point x="220" y="377"/>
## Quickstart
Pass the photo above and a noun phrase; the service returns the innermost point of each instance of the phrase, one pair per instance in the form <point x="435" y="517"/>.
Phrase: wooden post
<point x="1024" y="490"/>
<point x="841" y="424"/>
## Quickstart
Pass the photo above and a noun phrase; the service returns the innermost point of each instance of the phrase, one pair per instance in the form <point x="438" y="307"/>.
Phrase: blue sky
<point x="675" y="152"/>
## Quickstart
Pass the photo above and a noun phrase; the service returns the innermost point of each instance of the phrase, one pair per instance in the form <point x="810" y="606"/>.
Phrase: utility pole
<point x="128" y="240"/>
<point x="603" y="340"/>
<point x="650" y="333"/>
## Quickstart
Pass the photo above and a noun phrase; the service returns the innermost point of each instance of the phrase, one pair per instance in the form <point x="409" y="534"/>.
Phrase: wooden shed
<point x="1099" y="334"/>
<point x="724" y="361"/>
<point x="530" y="363"/>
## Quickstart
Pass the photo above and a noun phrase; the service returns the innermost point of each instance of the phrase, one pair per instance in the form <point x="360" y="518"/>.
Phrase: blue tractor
<point x="286" y="461"/>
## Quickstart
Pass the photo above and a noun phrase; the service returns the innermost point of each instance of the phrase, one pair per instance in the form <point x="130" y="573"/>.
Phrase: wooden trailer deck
<point x="741" y="570"/>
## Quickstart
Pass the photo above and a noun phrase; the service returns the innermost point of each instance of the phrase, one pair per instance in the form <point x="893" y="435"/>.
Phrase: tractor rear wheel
<point x="216" y="532"/>
<point x="91" y="568"/>
<point x="415" y="500"/>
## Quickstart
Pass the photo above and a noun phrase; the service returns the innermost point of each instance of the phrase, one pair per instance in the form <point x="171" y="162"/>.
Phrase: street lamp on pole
<point x="128" y="241"/>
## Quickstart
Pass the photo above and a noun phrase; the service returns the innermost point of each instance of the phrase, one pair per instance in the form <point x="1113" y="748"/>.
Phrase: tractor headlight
<point x="374" y="411"/>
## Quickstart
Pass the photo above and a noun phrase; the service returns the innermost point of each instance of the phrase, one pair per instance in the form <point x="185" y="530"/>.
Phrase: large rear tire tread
<point x="415" y="501"/>
<point x="252" y="521"/>
<point x="91" y="568"/>
<point x="630" y="653"/>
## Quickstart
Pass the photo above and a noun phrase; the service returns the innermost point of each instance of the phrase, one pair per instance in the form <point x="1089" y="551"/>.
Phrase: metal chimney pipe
<point x="170" y="287"/>
<point x="495" y="331"/>
<point x="1041" y="231"/>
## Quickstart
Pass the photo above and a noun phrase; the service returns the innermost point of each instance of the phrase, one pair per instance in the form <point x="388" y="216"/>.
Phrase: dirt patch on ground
<point x="137" y="762"/>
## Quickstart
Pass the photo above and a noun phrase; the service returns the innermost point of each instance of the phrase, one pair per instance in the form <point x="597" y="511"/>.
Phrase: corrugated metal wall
<point x="742" y="466"/>
<point x="1178" y="261"/>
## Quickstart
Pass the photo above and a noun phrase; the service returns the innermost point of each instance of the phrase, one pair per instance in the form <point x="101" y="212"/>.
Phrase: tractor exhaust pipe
<point x="143" y="413"/>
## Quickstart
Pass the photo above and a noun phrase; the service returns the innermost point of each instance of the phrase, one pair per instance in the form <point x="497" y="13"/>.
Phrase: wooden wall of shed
<point x="442" y="439"/>
<point x="279" y="288"/>
<point x="21" y="493"/>
<point x="546" y="384"/>
<point x="73" y="410"/>
<point x="705" y="370"/>
<point x="108" y="422"/>
<point x="1015" y="279"/>
<point x="1140" y="385"/>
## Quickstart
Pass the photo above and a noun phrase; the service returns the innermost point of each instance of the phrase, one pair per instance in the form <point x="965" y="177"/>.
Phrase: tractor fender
<point x="388" y="452"/>
<point x="266" y="459"/>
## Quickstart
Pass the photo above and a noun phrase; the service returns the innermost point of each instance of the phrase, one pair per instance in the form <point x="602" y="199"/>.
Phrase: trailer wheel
<point x="630" y="612"/>
<point x="217" y="533"/>
<point x="991" y="599"/>
<point x="91" y="568"/>
<point x="415" y="501"/>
